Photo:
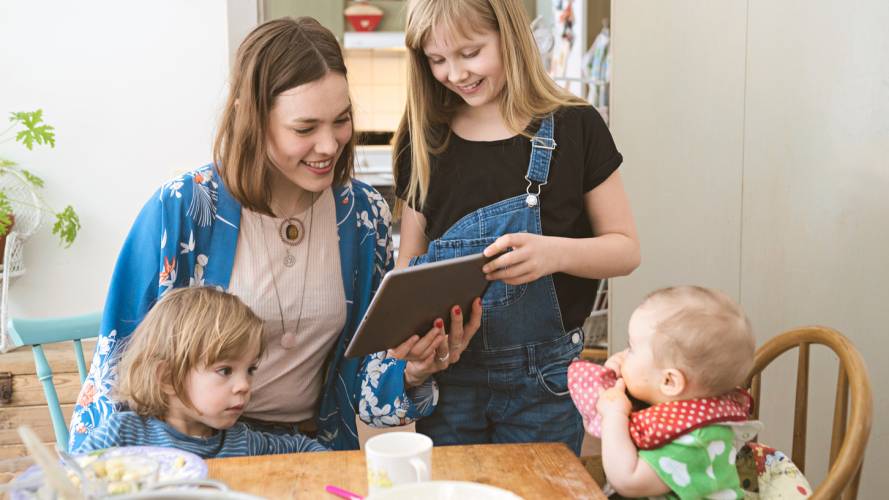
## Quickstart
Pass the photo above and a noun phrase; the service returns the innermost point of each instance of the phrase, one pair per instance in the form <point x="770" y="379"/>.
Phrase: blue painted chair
<point x="35" y="333"/>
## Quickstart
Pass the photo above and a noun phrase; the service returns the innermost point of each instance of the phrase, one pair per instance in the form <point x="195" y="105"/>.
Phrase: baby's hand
<point x="614" y="401"/>
<point x="616" y="361"/>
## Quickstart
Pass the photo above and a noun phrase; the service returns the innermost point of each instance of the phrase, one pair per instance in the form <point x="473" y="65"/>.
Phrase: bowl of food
<point x="120" y="475"/>
<point x="363" y="17"/>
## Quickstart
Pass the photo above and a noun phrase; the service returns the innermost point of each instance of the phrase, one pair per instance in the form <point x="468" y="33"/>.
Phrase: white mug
<point x="397" y="458"/>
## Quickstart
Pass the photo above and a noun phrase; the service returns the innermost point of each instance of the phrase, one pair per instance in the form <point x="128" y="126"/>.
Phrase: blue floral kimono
<point x="186" y="235"/>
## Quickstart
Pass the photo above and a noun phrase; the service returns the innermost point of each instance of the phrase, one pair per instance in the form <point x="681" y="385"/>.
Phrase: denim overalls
<point x="510" y="385"/>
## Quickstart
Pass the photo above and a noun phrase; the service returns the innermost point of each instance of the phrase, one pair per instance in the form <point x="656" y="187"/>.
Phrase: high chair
<point x="34" y="333"/>
<point x="851" y="426"/>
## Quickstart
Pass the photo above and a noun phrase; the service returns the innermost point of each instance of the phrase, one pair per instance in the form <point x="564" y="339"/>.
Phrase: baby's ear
<point x="673" y="382"/>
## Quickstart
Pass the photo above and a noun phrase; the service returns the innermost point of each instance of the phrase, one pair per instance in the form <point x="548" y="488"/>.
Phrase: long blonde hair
<point x="189" y="328"/>
<point x="529" y="92"/>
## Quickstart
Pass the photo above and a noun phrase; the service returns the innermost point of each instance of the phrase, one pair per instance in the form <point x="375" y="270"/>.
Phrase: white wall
<point x="756" y="138"/>
<point x="133" y="90"/>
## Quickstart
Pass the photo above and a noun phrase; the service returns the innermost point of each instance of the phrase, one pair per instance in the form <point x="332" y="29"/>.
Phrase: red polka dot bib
<point x="657" y="425"/>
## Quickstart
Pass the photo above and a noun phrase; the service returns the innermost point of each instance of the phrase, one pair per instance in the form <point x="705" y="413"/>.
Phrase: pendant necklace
<point x="291" y="232"/>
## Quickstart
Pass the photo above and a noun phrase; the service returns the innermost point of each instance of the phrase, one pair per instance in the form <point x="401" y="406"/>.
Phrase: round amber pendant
<point x="291" y="231"/>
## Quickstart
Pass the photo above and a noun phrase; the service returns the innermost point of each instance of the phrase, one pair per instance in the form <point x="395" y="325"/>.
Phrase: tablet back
<point x="410" y="299"/>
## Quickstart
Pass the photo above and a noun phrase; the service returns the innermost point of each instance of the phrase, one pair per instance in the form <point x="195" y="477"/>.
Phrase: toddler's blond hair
<point x="705" y="334"/>
<point x="188" y="328"/>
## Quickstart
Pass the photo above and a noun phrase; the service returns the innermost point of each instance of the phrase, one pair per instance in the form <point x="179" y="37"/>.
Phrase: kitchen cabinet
<point x="330" y="12"/>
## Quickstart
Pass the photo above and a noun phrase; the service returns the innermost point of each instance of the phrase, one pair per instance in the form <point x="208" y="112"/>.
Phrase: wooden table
<point x="532" y="471"/>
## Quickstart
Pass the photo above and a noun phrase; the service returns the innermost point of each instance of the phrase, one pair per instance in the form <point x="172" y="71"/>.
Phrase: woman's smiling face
<point x="309" y="126"/>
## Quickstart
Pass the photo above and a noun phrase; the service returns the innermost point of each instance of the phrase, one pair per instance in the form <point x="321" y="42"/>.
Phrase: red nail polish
<point x="439" y="323"/>
<point x="457" y="311"/>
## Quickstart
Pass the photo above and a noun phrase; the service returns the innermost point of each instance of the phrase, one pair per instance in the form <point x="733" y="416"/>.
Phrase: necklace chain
<point x="288" y="339"/>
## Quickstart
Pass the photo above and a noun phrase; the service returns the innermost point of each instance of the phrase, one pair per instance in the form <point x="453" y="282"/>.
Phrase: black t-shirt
<point x="470" y="175"/>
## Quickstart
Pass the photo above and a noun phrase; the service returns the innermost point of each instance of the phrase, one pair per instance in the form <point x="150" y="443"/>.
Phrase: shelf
<point x="594" y="354"/>
<point x="393" y="40"/>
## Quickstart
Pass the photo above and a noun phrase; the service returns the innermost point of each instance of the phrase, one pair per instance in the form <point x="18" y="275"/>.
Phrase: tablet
<point x="410" y="299"/>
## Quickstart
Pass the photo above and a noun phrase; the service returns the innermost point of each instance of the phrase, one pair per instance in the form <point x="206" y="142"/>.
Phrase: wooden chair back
<point x="853" y="407"/>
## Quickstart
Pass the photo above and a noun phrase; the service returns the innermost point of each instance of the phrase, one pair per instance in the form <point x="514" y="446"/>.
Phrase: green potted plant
<point x="29" y="129"/>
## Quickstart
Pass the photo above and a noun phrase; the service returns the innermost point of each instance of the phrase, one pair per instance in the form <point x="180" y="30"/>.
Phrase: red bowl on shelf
<point x="364" y="22"/>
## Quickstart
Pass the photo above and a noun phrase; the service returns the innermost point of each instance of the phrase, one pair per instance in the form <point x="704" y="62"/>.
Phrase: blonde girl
<point x="492" y="156"/>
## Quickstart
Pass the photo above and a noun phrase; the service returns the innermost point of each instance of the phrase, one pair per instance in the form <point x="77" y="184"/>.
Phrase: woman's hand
<point x="436" y="350"/>
<point x="532" y="257"/>
<point x="614" y="401"/>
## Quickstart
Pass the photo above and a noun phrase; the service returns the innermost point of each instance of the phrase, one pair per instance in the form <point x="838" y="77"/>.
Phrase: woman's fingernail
<point x="439" y="323"/>
<point x="457" y="311"/>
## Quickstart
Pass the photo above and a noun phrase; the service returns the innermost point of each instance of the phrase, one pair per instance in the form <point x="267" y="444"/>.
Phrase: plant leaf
<point x="66" y="226"/>
<point x="33" y="132"/>
<point x="33" y="179"/>
<point x="5" y="211"/>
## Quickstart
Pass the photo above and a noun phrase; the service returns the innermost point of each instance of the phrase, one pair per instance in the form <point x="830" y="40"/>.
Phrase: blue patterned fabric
<point x="186" y="235"/>
<point x="125" y="428"/>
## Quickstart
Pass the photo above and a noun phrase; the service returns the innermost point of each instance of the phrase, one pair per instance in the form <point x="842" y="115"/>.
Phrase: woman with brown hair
<point x="278" y="221"/>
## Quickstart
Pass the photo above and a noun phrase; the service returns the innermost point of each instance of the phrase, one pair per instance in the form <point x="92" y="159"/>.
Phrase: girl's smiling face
<point x="469" y="65"/>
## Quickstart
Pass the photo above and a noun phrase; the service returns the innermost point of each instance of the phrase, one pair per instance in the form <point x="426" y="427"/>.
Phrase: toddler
<point x="186" y="374"/>
<point x="690" y="348"/>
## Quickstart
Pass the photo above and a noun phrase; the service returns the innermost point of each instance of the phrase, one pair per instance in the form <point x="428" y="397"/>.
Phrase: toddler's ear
<point x="162" y="375"/>
<point x="673" y="382"/>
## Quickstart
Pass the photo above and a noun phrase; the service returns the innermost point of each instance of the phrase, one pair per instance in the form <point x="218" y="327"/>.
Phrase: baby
<point x="690" y="348"/>
<point x="186" y="374"/>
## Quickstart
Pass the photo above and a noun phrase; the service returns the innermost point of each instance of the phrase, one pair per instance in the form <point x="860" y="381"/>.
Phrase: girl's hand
<point x="616" y="361"/>
<point x="614" y="401"/>
<point x="532" y="257"/>
<point x="437" y="350"/>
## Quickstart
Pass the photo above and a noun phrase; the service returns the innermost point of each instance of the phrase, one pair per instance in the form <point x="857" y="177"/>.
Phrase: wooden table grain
<point x="535" y="470"/>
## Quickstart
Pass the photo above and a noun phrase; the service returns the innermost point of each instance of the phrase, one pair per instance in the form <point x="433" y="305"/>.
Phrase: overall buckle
<point x="543" y="143"/>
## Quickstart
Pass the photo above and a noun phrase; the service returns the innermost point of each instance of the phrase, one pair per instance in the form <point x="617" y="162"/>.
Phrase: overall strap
<point x="542" y="146"/>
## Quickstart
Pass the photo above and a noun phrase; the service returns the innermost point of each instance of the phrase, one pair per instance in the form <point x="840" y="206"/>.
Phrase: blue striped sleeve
<point x="265" y="443"/>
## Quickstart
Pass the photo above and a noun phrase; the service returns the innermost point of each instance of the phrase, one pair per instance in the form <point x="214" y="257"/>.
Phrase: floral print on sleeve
<point x="152" y="261"/>
<point x="385" y="376"/>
